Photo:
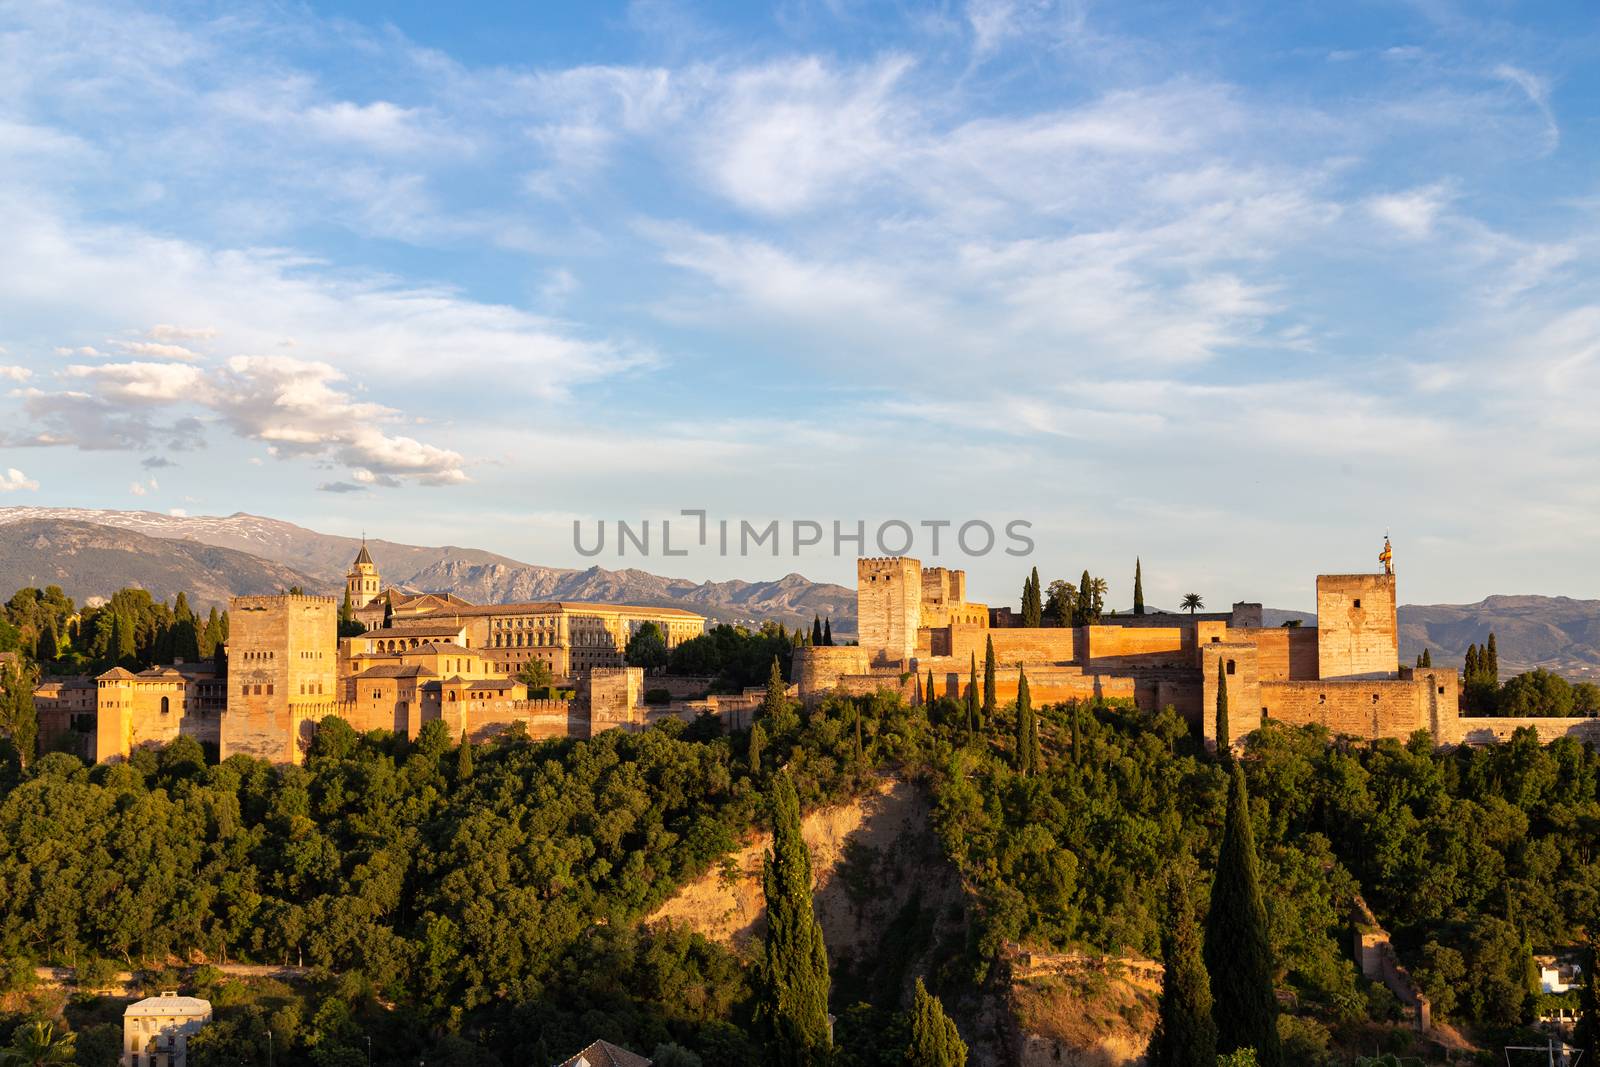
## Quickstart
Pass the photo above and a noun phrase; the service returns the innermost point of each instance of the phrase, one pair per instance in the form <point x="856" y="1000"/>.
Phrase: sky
<point x="1232" y="288"/>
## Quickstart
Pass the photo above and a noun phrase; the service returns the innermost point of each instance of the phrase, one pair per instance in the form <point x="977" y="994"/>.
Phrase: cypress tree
<point x="988" y="682"/>
<point x="1027" y="729"/>
<point x="388" y="610"/>
<point x="935" y="1041"/>
<point x="972" y="696"/>
<point x="1491" y="662"/>
<point x="1077" y="745"/>
<point x="758" y="741"/>
<point x="930" y="685"/>
<point x="1470" y="668"/>
<point x="1186" y="1035"/>
<point x="211" y="636"/>
<point x="861" y="751"/>
<point x="827" y="631"/>
<point x="775" y="705"/>
<point x="127" y="649"/>
<point x="1138" y="586"/>
<point x="1032" y="601"/>
<point x="1427" y="657"/>
<point x="186" y="639"/>
<point x="1224" y="738"/>
<point x="816" y="629"/>
<point x="464" y="759"/>
<point x="794" y="996"/>
<point x="1085" y="613"/>
<point x="49" y="646"/>
<point x="1238" y="954"/>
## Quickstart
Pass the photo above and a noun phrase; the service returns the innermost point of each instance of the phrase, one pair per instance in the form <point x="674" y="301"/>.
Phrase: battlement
<point x="273" y="600"/>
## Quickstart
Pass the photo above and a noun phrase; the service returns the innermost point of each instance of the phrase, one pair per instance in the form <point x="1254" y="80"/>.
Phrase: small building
<point x="605" y="1054"/>
<point x="156" y="1030"/>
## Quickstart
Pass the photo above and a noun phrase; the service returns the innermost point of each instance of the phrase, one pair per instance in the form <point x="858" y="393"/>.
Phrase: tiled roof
<point x="605" y="1054"/>
<point x="396" y="671"/>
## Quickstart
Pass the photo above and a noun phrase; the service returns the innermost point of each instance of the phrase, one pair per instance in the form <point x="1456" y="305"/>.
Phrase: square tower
<point x="1358" y="635"/>
<point x="888" y="607"/>
<point x="282" y="668"/>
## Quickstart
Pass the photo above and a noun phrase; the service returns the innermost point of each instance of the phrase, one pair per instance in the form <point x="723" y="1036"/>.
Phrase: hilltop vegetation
<point x="484" y="902"/>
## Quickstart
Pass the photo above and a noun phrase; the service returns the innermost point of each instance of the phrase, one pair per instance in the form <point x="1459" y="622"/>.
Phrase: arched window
<point x="166" y="705"/>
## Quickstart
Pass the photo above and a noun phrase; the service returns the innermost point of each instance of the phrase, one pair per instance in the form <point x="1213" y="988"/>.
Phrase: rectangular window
<point x="1358" y="602"/>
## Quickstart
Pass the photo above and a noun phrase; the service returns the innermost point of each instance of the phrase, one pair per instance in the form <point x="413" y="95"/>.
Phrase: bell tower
<point x="362" y="583"/>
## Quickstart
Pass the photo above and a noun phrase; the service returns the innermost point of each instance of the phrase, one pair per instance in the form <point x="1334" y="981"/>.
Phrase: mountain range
<point x="91" y="552"/>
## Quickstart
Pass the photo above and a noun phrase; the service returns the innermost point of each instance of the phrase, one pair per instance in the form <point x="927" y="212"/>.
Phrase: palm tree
<point x="1193" y="602"/>
<point x="40" y="1044"/>
<point x="1098" y="588"/>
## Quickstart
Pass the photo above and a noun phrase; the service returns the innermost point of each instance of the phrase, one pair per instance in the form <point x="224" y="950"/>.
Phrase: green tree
<point x="49" y="646"/>
<point x="1062" y="602"/>
<point x="972" y="697"/>
<point x="464" y="759"/>
<point x="1193" y="602"/>
<point x="647" y="648"/>
<point x="794" y="997"/>
<point x="1032" y="601"/>
<point x="827" y="631"/>
<point x="38" y="1043"/>
<point x="1083" y="613"/>
<point x="757" y="742"/>
<point x="930" y="686"/>
<point x="1238" y="952"/>
<point x="1186" y="1034"/>
<point x="388" y="609"/>
<point x="1224" y="736"/>
<point x="1028" y="759"/>
<point x="536" y="674"/>
<point x="988" y="682"/>
<point x="775" y="706"/>
<point x="935" y="1041"/>
<point x="1138" y="586"/>
<point x="816" y="629"/>
<point x="18" y="717"/>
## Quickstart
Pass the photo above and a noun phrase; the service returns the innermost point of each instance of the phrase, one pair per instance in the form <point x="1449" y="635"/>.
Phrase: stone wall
<point x="1357" y="629"/>
<point x="1026" y="645"/>
<point x="817" y="668"/>
<point x="1370" y="708"/>
<point x="1488" y="730"/>
<point x="1283" y="653"/>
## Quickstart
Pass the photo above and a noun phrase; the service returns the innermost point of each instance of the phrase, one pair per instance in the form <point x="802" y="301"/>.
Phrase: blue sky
<point x="1233" y="287"/>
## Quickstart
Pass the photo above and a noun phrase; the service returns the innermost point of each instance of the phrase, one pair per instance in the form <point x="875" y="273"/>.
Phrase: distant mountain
<point x="1557" y="633"/>
<point x="320" y="561"/>
<point x="87" y="560"/>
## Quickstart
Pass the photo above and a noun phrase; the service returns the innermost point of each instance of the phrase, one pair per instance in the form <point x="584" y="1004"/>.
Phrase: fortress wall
<point x="818" y="668"/>
<point x="1012" y="645"/>
<point x="282" y="667"/>
<point x="1357" y="627"/>
<point x="1484" y="730"/>
<point x="1283" y="653"/>
<point x="1115" y="641"/>
<point x="542" y="718"/>
<point x="1368" y="709"/>
<point x="614" y="696"/>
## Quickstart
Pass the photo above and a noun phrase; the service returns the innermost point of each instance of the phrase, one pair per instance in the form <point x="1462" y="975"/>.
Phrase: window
<point x="269" y="689"/>
<point x="1230" y="666"/>
<point x="1358" y="602"/>
<point x="1374" y="698"/>
<point x="166" y="706"/>
<point x="1441" y="690"/>
<point x="1322" y="698"/>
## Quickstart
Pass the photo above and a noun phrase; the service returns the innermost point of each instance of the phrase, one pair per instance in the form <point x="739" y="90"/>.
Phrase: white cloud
<point x="13" y="480"/>
<point x="1411" y="213"/>
<point x="157" y="350"/>
<point x="169" y="333"/>
<point x="137" y="488"/>
<point x="178" y="513"/>
<point x="1537" y="90"/>
<point x="16" y="374"/>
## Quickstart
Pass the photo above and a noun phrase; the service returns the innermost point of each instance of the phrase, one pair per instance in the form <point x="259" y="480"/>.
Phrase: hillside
<point x="320" y="561"/>
<point x="87" y="560"/>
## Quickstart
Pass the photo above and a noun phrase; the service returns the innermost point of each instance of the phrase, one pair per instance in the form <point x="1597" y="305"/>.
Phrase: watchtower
<point x="1358" y="635"/>
<point x="888" y="607"/>
<point x="282" y="667"/>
